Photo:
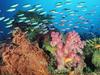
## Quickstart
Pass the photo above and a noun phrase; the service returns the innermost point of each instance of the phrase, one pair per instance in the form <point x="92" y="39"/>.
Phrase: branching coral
<point x="68" y="53"/>
<point x="24" y="58"/>
<point x="73" y="42"/>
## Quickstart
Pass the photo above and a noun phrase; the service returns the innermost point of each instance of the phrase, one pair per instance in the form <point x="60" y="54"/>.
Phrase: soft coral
<point x="69" y="49"/>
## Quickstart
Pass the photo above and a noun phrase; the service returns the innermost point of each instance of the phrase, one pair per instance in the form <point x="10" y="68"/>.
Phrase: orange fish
<point x="71" y="73"/>
<point x="97" y="46"/>
<point x="67" y="60"/>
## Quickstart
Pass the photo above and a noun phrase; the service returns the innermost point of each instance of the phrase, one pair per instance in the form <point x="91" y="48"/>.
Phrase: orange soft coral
<point x="24" y="58"/>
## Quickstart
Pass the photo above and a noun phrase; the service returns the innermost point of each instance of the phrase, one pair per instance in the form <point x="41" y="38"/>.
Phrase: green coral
<point x="53" y="69"/>
<point x="90" y="52"/>
<point x="52" y="64"/>
<point x="61" y="72"/>
<point x="96" y="58"/>
<point x="90" y="46"/>
<point x="32" y="35"/>
<point x="49" y="48"/>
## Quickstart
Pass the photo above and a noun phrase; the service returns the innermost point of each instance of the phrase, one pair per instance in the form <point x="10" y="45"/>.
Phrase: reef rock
<point x="23" y="58"/>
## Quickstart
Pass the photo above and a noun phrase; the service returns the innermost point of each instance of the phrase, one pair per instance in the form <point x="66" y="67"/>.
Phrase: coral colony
<point x="68" y="52"/>
<point x="59" y="55"/>
<point x="23" y="58"/>
<point x="54" y="42"/>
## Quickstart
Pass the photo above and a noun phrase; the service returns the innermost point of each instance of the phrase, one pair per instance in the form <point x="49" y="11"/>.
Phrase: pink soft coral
<point x="56" y="39"/>
<point x="74" y="43"/>
<point x="69" y="49"/>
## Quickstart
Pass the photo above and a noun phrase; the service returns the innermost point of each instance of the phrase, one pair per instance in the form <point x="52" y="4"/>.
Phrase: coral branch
<point x="67" y="52"/>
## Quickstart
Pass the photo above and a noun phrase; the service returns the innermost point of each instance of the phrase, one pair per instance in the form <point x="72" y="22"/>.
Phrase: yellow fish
<point x="66" y="60"/>
<point x="97" y="46"/>
<point x="71" y="73"/>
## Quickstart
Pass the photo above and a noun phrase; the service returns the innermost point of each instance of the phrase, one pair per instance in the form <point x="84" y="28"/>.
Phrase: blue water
<point x="91" y="5"/>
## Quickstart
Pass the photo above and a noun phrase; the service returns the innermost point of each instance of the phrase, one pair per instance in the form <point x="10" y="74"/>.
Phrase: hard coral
<point x="24" y="58"/>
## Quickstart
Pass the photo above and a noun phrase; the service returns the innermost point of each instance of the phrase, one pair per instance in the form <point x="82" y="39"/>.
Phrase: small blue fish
<point x="42" y="13"/>
<point x="23" y="18"/>
<point x="9" y="26"/>
<point x="2" y="18"/>
<point x="40" y="9"/>
<point x="31" y="10"/>
<point x="26" y="6"/>
<point x="39" y="5"/>
<point x="11" y="10"/>
<point x="7" y="19"/>
<point x="15" y="5"/>
<point x="20" y="15"/>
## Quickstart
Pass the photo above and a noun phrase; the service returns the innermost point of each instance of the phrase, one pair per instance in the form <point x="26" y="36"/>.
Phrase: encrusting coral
<point x="23" y="58"/>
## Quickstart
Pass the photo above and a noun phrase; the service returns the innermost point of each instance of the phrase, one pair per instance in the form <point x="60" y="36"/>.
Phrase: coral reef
<point x="38" y="47"/>
<point x="68" y="52"/>
<point x="23" y="58"/>
<point x="65" y="54"/>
